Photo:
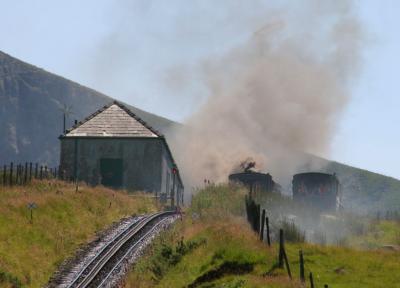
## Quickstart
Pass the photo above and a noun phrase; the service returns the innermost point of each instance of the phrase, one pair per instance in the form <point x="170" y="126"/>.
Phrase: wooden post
<point x="41" y="172"/>
<point x="287" y="263"/>
<point x="268" y="237"/>
<point x="16" y="174"/>
<point x="36" y="170"/>
<point x="311" y="280"/>
<point x="20" y="174"/>
<point x="262" y="225"/>
<point x="282" y="254"/>
<point x="257" y="218"/>
<point x="302" y="277"/>
<point x="280" y="262"/>
<point x="30" y="171"/>
<point x="4" y="175"/>
<point x="11" y="173"/>
<point x="26" y="172"/>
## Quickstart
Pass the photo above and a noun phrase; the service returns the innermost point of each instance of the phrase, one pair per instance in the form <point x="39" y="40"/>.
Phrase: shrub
<point x="292" y="233"/>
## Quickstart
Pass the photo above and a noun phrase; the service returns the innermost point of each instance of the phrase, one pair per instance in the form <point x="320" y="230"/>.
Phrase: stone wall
<point x="142" y="160"/>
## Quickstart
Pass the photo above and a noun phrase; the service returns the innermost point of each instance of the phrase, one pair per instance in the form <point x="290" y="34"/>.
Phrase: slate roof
<point x="113" y="120"/>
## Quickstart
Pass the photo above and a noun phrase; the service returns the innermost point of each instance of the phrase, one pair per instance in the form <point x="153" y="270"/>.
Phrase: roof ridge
<point x="124" y="108"/>
<point x="137" y="118"/>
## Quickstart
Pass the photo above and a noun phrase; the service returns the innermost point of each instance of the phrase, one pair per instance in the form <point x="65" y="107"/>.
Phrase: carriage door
<point x="111" y="172"/>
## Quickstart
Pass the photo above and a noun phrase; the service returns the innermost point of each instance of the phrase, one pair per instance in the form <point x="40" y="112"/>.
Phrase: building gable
<point x="114" y="120"/>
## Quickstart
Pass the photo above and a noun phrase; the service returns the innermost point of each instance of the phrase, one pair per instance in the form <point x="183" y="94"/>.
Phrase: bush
<point x="166" y="255"/>
<point x="292" y="233"/>
<point x="6" y="278"/>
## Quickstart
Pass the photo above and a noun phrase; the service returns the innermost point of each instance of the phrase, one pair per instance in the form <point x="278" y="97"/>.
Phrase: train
<point x="322" y="191"/>
<point x="255" y="181"/>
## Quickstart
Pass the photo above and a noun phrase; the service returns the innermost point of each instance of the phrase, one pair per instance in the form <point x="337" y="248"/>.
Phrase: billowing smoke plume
<point x="276" y="95"/>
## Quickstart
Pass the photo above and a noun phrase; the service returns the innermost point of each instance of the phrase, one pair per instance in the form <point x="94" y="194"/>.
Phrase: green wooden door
<point x="111" y="172"/>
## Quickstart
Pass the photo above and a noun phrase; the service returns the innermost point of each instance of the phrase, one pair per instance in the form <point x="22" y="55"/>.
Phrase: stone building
<point x="115" y="148"/>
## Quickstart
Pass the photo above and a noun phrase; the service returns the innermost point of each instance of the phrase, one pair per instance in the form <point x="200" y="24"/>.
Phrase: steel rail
<point x="83" y="269"/>
<point x="128" y="252"/>
<point x="101" y="260"/>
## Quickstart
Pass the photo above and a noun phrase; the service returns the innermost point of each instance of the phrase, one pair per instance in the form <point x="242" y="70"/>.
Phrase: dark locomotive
<point x="320" y="190"/>
<point x="255" y="181"/>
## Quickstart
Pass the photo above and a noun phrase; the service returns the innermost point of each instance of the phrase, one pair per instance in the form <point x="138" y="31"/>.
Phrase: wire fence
<point x="259" y="222"/>
<point x="23" y="173"/>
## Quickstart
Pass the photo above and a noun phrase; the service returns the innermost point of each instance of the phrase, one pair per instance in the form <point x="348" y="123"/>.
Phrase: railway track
<point x="99" y="271"/>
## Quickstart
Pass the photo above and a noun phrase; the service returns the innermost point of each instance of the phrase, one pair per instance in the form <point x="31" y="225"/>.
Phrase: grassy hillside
<point x="363" y="191"/>
<point x="366" y="191"/>
<point x="63" y="220"/>
<point x="214" y="247"/>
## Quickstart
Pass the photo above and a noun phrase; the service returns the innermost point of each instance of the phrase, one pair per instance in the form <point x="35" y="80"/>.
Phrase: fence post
<point x="302" y="277"/>
<point x="268" y="237"/>
<point x="262" y="225"/>
<point x="4" y="175"/>
<point x="16" y="174"/>
<point x="257" y="218"/>
<point x="36" y="170"/>
<point x="282" y="254"/>
<point x="41" y="172"/>
<point x="30" y="171"/>
<point x="280" y="263"/>
<point x="11" y="173"/>
<point x="26" y="172"/>
<point x="311" y="280"/>
<point x="287" y="263"/>
<point x="21" y="174"/>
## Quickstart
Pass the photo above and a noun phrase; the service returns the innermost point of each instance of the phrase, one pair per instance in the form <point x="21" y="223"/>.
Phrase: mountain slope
<point x="363" y="191"/>
<point x="30" y="111"/>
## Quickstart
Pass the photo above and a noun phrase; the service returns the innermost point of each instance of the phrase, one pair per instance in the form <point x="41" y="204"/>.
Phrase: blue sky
<point x="64" y="37"/>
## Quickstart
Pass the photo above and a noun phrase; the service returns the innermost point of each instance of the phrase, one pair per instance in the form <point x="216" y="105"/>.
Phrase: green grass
<point x="63" y="220"/>
<point x="377" y="234"/>
<point x="231" y="255"/>
<point x="346" y="267"/>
